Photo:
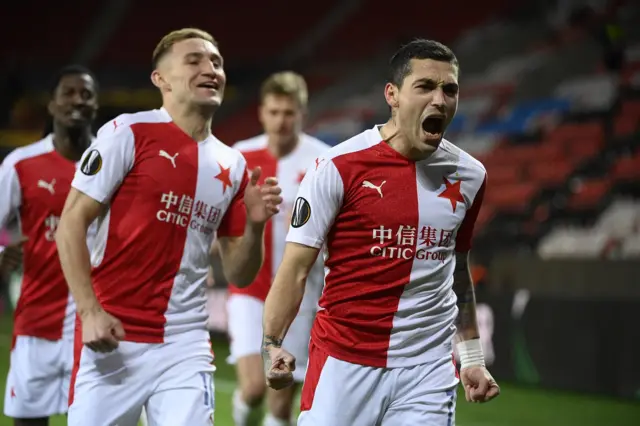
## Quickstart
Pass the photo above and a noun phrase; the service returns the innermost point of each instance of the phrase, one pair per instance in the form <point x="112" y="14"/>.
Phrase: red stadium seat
<point x="247" y="33"/>
<point x="511" y="197"/>
<point x="367" y="31"/>
<point x="627" y="169"/>
<point x="550" y="174"/>
<point x="499" y="175"/>
<point x="583" y="148"/>
<point x="45" y="33"/>
<point x="589" y="194"/>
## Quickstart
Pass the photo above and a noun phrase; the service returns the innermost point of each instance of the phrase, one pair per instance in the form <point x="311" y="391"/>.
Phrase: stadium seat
<point x="550" y="173"/>
<point x="627" y="168"/>
<point x="364" y="34"/>
<point x="511" y="198"/>
<point x="504" y="174"/>
<point x="621" y="219"/>
<point x="588" y="194"/>
<point x="247" y="34"/>
<point x="45" y="33"/>
<point x="572" y="243"/>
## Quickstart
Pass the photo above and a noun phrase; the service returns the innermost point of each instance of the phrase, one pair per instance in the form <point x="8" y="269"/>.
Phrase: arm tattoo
<point x="271" y="341"/>
<point x="463" y="288"/>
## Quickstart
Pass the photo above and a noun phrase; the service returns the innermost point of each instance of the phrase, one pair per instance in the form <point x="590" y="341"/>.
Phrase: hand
<point x="479" y="385"/>
<point x="101" y="332"/>
<point x="261" y="201"/>
<point x="11" y="256"/>
<point x="278" y="367"/>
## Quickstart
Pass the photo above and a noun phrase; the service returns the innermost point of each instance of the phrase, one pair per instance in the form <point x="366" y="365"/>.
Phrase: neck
<point x="71" y="142"/>
<point x="280" y="150"/>
<point x="194" y="121"/>
<point x="397" y="140"/>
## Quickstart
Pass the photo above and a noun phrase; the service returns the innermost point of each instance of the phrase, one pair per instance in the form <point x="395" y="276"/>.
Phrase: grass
<point x="516" y="406"/>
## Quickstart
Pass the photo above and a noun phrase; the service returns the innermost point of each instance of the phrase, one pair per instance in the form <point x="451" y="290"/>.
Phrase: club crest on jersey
<point x="301" y="212"/>
<point x="92" y="163"/>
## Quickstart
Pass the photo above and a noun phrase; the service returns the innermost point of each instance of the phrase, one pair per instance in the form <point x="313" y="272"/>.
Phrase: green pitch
<point x="516" y="406"/>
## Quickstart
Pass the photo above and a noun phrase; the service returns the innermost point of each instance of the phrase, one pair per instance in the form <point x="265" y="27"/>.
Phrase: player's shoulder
<point x="466" y="161"/>
<point x="351" y="148"/>
<point x="123" y="123"/>
<point x="32" y="150"/>
<point x="255" y="143"/>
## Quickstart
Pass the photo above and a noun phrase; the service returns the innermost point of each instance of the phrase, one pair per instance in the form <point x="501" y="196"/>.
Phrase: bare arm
<point x="463" y="287"/>
<point x="79" y="212"/>
<point x="242" y="257"/>
<point x="287" y="290"/>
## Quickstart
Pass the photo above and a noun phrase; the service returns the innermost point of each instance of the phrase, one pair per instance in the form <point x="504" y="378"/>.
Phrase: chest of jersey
<point x="405" y="212"/>
<point x="44" y="184"/>
<point x="182" y="183"/>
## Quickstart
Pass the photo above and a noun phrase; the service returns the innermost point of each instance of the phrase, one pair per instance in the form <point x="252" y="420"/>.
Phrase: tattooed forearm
<point x="463" y="287"/>
<point x="271" y="341"/>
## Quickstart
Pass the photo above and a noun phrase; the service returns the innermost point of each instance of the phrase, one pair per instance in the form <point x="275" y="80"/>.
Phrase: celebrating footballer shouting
<point x="397" y="288"/>
<point x="160" y="186"/>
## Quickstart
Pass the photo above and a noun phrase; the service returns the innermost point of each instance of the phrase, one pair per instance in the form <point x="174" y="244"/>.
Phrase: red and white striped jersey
<point x="34" y="184"/>
<point x="167" y="196"/>
<point x="390" y="227"/>
<point x="289" y="170"/>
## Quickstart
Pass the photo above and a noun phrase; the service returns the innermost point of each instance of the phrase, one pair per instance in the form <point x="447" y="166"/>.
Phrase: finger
<point x="271" y="181"/>
<point x="273" y="210"/>
<point x="480" y="390"/>
<point x="290" y="363"/>
<point x="255" y="175"/>
<point x="118" y="331"/>
<point x="467" y="392"/>
<point x="494" y="390"/>
<point x="272" y="199"/>
<point x="275" y="190"/>
<point x="279" y="379"/>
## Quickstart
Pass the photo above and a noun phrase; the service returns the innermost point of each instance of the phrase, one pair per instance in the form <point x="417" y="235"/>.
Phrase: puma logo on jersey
<point x="164" y="154"/>
<point x="49" y="186"/>
<point x="367" y="184"/>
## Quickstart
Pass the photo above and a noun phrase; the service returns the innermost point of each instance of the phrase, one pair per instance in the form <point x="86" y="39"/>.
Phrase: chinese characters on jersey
<point x="184" y="211"/>
<point x="408" y="242"/>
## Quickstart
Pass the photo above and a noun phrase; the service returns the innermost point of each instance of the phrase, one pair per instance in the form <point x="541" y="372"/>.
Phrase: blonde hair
<point x="286" y="83"/>
<point x="166" y="43"/>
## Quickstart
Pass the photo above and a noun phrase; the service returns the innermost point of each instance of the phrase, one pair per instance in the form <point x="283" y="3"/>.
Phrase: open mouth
<point x="209" y="85"/>
<point x="433" y="125"/>
<point x="76" y="114"/>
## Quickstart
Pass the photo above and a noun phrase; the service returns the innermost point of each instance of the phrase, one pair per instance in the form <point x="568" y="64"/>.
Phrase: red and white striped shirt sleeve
<point x="317" y="204"/>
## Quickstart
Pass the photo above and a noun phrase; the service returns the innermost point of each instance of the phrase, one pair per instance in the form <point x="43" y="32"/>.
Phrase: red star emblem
<point x="452" y="193"/>
<point x="300" y="176"/>
<point x="224" y="177"/>
<point x="13" y="392"/>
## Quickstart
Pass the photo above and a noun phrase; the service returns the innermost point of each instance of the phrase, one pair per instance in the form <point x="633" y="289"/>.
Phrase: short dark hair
<point x="400" y="63"/>
<point x="73" y="69"/>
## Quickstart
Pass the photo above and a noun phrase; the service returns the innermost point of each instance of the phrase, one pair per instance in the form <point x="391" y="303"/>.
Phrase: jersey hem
<point x="306" y="241"/>
<point x="425" y="357"/>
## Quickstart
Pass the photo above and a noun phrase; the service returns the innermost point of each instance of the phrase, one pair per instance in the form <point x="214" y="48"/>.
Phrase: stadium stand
<point x="554" y="124"/>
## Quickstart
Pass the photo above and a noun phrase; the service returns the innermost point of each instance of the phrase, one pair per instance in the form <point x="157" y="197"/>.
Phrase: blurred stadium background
<point x="549" y="102"/>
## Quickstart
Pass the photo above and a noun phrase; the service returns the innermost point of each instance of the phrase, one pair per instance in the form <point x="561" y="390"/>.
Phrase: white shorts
<point x="339" y="393"/>
<point x="173" y="381"/>
<point x="38" y="380"/>
<point x="245" y="331"/>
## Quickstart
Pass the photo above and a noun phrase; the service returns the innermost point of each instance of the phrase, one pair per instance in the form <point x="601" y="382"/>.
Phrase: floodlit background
<point x="549" y="102"/>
